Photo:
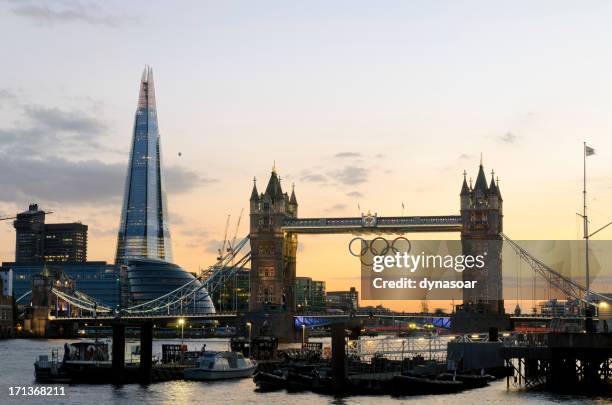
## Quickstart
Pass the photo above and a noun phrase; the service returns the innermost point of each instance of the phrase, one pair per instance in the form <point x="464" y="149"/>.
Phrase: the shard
<point x="143" y="230"/>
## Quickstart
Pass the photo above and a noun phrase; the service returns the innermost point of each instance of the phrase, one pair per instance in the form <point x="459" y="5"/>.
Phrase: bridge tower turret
<point x="482" y="218"/>
<point x="273" y="251"/>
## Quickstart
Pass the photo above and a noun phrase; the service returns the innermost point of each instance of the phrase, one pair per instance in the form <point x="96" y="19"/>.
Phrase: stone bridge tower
<point x="482" y="218"/>
<point x="273" y="251"/>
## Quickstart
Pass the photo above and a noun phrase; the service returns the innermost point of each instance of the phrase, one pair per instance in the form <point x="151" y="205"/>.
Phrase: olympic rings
<point x="368" y="246"/>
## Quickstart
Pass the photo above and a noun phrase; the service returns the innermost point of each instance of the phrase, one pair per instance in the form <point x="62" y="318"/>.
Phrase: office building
<point x="343" y="300"/>
<point x="37" y="242"/>
<point x="143" y="228"/>
<point x="309" y="295"/>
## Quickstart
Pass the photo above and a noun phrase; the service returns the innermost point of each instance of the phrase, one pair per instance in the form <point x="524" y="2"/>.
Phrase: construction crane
<point x="233" y="244"/>
<point x="222" y="248"/>
<point x="15" y="217"/>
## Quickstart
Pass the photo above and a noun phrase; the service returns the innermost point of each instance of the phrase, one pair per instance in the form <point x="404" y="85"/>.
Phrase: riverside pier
<point x="560" y="361"/>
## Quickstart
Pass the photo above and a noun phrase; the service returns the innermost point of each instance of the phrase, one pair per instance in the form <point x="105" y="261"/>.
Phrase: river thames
<point x="18" y="356"/>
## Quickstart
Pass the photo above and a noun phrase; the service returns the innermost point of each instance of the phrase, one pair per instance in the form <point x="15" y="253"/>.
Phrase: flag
<point x="402" y="205"/>
<point x="588" y="151"/>
<point x="358" y="207"/>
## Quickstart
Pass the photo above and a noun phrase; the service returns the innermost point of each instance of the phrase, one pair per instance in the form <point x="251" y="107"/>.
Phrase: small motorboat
<point x="270" y="381"/>
<point x="410" y="385"/>
<point x="220" y="366"/>
<point x="469" y="380"/>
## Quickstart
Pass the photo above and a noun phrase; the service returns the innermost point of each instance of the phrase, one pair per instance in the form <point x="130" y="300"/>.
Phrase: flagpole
<point x="586" y="221"/>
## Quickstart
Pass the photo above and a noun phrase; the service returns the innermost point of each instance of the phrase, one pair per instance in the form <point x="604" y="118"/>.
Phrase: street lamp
<point x="249" y="325"/>
<point x="181" y="322"/>
<point x="303" y="335"/>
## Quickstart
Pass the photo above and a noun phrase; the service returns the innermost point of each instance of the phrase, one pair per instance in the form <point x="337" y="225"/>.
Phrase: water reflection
<point x="18" y="357"/>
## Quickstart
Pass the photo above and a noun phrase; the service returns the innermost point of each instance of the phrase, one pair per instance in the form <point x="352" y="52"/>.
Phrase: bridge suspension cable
<point x="82" y="303"/>
<point x="566" y="285"/>
<point x="23" y="296"/>
<point x="186" y="296"/>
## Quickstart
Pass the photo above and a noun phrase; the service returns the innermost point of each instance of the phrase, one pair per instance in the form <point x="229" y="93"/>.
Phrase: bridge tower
<point x="482" y="220"/>
<point x="273" y="251"/>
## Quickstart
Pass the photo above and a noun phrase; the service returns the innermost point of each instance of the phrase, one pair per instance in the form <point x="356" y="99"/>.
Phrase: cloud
<point x="350" y="175"/>
<point x="57" y="180"/>
<point x="347" y="155"/>
<point x="26" y="179"/>
<point x="51" y="132"/>
<point x="7" y="96"/>
<point x="55" y="119"/>
<point x="103" y="233"/>
<point x="508" y="137"/>
<point x="355" y="194"/>
<point x="180" y="180"/>
<point x="49" y="14"/>
<point x="336" y="207"/>
<point x="465" y="156"/>
<point x="212" y="245"/>
<point x="309" y="177"/>
<point x="33" y="166"/>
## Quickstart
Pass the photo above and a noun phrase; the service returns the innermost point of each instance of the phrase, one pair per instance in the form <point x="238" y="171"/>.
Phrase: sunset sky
<point x="358" y="102"/>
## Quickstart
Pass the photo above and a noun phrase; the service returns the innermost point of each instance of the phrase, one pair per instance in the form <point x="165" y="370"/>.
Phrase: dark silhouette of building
<point x="29" y="232"/>
<point x="273" y="252"/>
<point x="37" y="242"/>
<point x="309" y="294"/>
<point x="6" y="304"/>
<point x="233" y="293"/>
<point x="346" y="301"/>
<point x="65" y="243"/>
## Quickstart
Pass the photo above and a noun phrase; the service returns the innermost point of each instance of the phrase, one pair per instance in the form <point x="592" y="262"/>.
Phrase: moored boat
<point x="468" y="380"/>
<point x="270" y="381"/>
<point x="410" y="385"/>
<point x="220" y="366"/>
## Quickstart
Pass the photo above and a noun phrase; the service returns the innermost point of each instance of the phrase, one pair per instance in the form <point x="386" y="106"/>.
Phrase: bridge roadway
<point x="309" y="320"/>
<point x="374" y="224"/>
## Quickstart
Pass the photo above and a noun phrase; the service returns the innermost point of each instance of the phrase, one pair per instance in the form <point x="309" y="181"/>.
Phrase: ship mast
<point x="586" y="221"/>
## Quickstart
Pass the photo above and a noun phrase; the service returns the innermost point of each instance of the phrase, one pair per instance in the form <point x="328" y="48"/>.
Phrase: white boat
<point x="221" y="366"/>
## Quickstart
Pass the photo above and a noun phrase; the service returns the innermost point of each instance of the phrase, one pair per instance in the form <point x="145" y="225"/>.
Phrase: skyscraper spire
<point x="143" y="230"/>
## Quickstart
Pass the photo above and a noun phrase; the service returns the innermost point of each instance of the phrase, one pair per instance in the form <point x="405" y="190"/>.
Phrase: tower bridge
<point x="275" y="226"/>
<point x="274" y="229"/>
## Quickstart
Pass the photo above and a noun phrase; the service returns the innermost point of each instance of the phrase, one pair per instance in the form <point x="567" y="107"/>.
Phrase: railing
<point x="379" y="221"/>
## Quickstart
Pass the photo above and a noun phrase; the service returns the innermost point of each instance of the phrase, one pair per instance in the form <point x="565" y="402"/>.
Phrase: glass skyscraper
<point x="143" y="230"/>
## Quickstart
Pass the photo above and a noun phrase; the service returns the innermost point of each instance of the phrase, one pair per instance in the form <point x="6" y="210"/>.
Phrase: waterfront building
<point x="309" y="294"/>
<point x="36" y="241"/>
<point x="375" y="310"/>
<point x="6" y="305"/>
<point x="65" y="243"/>
<point x="97" y="279"/>
<point x="143" y="230"/>
<point x="233" y="293"/>
<point x="144" y="280"/>
<point x="347" y="301"/>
